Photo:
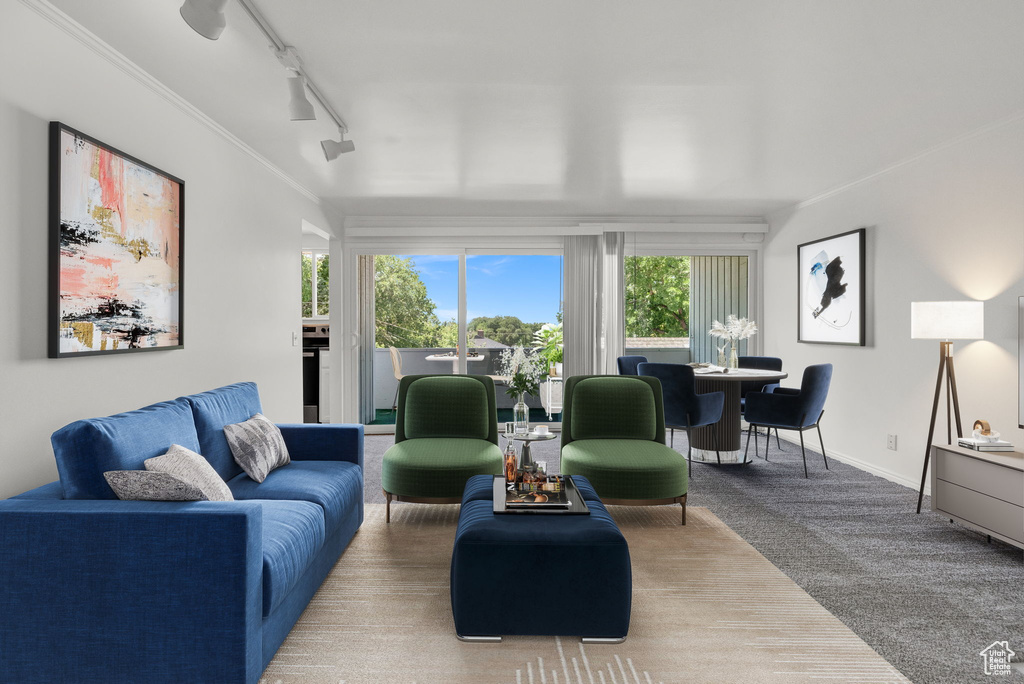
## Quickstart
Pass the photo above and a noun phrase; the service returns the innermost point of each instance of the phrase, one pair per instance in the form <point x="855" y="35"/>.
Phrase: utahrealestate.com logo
<point x="997" y="658"/>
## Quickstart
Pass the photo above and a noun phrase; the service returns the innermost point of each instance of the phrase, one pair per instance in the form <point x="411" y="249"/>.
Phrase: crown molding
<point x="952" y="142"/>
<point x="477" y="226"/>
<point x="90" y="40"/>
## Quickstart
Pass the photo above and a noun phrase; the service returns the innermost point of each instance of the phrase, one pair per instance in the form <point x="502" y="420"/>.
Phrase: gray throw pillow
<point x="258" y="446"/>
<point x="189" y="466"/>
<point x="143" y="485"/>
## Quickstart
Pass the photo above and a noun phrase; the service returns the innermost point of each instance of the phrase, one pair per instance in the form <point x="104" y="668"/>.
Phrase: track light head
<point x="206" y="17"/>
<point x="335" y="148"/>
<point x="299" y="108"/>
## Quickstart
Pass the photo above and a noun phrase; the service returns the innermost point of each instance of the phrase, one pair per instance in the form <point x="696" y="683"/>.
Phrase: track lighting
<point x="206" y="17"/>
<point x="335" y="148"/>
<point x="299" y="108"/>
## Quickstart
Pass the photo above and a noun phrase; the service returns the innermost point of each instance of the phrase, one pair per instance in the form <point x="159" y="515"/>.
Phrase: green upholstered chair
<point x="613" y="434"/>
<point x="446" y="431"/>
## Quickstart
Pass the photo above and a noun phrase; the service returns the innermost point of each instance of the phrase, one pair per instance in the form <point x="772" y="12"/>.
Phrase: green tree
<point x="505" y="329"/>
<point x="657" y="296"/>
<point x="405" y="314"/>
<point x="323" y="287"/>
<point x="307" y="285"/>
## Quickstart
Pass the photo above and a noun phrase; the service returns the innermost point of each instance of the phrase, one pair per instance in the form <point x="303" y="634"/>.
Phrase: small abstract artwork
<point x="116" y="250"/>
<point x="831" y="294"/>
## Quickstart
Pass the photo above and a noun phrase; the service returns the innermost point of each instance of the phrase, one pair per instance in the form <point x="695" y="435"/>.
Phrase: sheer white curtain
<point x="613" y="314"/>
<point x="593" y="334"/>
<point x="366" y="328"/>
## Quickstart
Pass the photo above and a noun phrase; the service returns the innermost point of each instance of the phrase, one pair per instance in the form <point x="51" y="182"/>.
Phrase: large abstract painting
<point x="116" y="250"/>
<point x="831" y="296"/>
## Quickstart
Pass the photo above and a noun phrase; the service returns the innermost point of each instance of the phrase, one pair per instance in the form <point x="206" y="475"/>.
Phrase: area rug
<point x="707" y="607"/>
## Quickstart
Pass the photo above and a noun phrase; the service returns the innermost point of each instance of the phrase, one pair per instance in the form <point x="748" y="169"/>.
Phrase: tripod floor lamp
<point x="945" y="321"/>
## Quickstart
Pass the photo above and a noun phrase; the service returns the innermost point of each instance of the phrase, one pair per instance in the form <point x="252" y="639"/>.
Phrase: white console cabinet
<point x="983" y="490"/>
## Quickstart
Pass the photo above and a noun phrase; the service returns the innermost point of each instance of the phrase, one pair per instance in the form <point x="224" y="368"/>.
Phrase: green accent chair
<point x="446" y="431"/>
<point x="613" y="434"/>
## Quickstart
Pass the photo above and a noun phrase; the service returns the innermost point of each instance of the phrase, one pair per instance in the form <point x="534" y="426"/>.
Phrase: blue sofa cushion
<point x="335" y="485"/>
<point x="86" y="449"/>
<point x="293" y="534"/>
<point x="215" y="409"/>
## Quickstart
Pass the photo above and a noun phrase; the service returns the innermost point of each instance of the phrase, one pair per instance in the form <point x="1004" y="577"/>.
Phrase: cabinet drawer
<point x="984" y="511"/>
<point x="995" y="480"/>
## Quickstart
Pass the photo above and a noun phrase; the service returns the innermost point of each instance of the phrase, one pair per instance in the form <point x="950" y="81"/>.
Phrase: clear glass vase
<point x="734" y="361"/>
<point x="521" y="415"/>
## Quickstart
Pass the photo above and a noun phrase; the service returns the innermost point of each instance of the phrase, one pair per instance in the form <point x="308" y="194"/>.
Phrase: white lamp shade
<point x="206" y="17"/>
<point x="299" y="108"/>
<point x="947" y="320"/>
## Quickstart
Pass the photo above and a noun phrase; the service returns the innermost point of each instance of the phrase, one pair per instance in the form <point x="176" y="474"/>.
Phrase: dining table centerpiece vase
<point x="733" y="330"/>
<point x="523" y="370"/>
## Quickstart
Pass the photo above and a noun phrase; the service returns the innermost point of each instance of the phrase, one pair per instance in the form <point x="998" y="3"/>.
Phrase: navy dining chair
<point x="787" y="408"/>
<point x="684" y="407"/>
<point x="772" y="363"/>
<point x="627" y="364"/>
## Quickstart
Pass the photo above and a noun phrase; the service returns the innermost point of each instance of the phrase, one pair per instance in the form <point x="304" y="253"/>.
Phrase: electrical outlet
<point x="891" y="442"/>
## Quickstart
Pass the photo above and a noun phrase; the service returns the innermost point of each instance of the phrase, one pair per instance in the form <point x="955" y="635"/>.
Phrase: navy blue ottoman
<point x="564" y="575"/>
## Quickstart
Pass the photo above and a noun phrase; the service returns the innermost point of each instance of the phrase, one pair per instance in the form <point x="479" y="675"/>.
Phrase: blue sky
<point x="529" y="287"/>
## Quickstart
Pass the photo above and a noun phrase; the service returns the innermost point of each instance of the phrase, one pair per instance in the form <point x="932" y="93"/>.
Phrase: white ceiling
<point x="590" y="107"/>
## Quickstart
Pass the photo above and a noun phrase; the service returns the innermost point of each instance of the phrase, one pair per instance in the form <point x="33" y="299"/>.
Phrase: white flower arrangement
<point x="523" y="369"/>
<point x="734" y="329"/>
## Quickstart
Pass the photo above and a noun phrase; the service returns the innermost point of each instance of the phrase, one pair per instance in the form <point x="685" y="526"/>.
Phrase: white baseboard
<point x="867" y="467"/>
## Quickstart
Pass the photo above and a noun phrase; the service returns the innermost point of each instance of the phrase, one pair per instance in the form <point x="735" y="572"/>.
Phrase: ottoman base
<point x="497" y="639"/>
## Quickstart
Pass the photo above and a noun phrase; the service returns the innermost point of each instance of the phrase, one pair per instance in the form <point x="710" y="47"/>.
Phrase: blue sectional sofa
<point x="94" y="589"/>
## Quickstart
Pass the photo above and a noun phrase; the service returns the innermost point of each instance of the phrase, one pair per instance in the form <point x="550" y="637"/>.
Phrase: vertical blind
<point x="718" y="287"/>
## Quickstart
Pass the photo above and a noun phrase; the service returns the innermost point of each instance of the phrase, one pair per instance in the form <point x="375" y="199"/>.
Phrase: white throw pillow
<point x="189" y="466"/>
<point x="258" y="446"/>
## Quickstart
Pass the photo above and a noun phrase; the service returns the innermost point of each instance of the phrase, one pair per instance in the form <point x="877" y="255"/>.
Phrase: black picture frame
<point x="134" y="309"/>
<point x="831" y="277"/>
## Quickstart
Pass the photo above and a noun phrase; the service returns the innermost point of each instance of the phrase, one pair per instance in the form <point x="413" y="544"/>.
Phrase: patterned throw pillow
<point x="189" y="466"/>
<point x="143" y="485"/>
<point x="258" y="446"/>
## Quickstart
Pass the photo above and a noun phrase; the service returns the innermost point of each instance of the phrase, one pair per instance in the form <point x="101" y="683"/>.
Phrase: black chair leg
<point x="803" y="452"/>
<point x="672" y="437"/>
<point x="822" y="442"/>
<point x="777" y="442"/>
<point x="747" y="450"/>
<point x="689" y="451"/>
<point x="394" y="402"/>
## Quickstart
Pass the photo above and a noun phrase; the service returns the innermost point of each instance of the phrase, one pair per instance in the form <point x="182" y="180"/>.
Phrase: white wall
<point x="242" y="236"/>
<point x="948" y="225"/>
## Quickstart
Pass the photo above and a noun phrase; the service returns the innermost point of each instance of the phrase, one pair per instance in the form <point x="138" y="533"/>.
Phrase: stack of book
<point x="985" y="445"/>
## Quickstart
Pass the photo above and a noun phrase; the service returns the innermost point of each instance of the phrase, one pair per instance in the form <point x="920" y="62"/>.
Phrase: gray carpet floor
<point x="927" y="595"/>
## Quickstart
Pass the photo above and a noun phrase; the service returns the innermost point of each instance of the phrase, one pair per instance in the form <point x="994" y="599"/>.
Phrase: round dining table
<point x="725" y="434"/>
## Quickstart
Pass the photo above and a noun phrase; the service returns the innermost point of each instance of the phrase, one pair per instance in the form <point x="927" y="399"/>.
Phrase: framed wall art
<point x="116" y="246"/>
<point x="831" y="289"/>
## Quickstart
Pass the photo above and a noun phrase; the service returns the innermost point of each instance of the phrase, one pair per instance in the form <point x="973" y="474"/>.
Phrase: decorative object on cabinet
<point x="831" y="292"/>
<point x="945" y="321"/>
<point x="116" y="242"/>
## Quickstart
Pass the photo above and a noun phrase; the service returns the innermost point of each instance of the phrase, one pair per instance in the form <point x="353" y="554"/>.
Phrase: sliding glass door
<point x="516" y="300"/>
<point x="449" y="314"/>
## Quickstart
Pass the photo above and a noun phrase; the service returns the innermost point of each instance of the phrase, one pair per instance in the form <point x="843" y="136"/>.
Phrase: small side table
<point x="526" y="460"/>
